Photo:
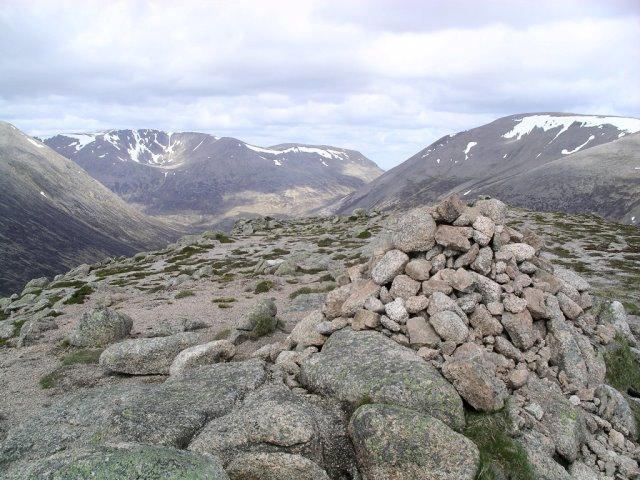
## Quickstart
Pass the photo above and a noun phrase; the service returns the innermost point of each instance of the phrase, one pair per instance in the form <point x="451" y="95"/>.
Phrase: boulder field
<point x="454" y="313"/>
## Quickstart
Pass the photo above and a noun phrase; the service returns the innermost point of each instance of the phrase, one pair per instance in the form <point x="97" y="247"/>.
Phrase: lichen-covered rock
<point x="359" y="366"/>
<point x="398" y="443"/>
<point x="474" y="377"/>
<point x="146" y="356"/>
<point x="133" y="461"/>
<point x="205" y="354"/>
<point x="274" y="466"/>
<point x="305" y="333"/>
<point x="389" y="266"/>
<point x="414" y="232"/>
<point x="449" y="326"/>
<point x="455" y="238"/>
<point x="450" y="208"/>
<point x="262" y="313"/>
<point x="615" y="409"/>
<point x="519" y="326"/>
<point x="100" y="327"/>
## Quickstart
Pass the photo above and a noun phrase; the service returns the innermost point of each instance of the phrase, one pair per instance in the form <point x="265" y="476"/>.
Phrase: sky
<point x="385" y="77"/>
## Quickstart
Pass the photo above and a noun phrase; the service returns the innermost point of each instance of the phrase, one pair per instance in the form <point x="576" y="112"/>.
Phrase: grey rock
<point x="335" y="298"/>
<point x="492" y="208"/>
<point x="398" y="443"/>
<point x="354" y="366"/>
<point x="484" y="322"/>
<point x="572" y="278"/>
<point x="35" y="285"/>
<point x="449" y="326"/>
<point x="274" y="466"/>
<point x="404" y="287"/>
<point x="439" y="302"/>
<point x="421" y="333"/>
<point x="540" y="452"/>
<point x="205" y="354"/>
<point x="360" y="292"/>
<point x="453" y="237"/>
<point x="570" y="308"/>
<point x="482" y="263"/>
<point x="415" y="232"/>
<point x="580" y="471"/>
<point x="129" y="461"/>
<point x="484" y="225"/>
<point x="467" y="258"/>
<point x="389" y="266"/>
<point x="565" y="350"/>
<point x="100" y="327"/>
<point x="365" y="319"/>
<point x="306" y="334"/>
<point x="450" y="208"/>
<point x="563" y="421"/>
<point x="307" y="302"/>
<point x="468" y="303"/>
<point x="514" y="304"/>
<point x="418" y="269"/>
<point x="536" y="303"/>
<point x="32" y="331"/>
<point x="520" y="251"/>
<point x="395" y="311"/>
<point x="389" y="324"/>
<point x="474" y="377"/>
<point x="416" y="304"/>
<point x="614" y="408"/>
<point x="374" y="304"/>
<point x="519" y="326"/>
<point x="490" y="290"/>
<point x="506" y="348"/>
<point x="615" y="314"/>
<point x="146" y="356"/>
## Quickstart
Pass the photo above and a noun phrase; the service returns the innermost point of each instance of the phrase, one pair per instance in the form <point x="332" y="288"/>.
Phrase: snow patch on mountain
<point x="81" y="139"/>
<point x="326" y="153"/>
<point x="470" y="145"/>
<point x="35" y="143"/>
<point x="569" y="152"/>
<point x="527" y="124"/>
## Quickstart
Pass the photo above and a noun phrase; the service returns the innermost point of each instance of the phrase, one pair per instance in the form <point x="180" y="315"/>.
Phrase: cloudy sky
<point x="386" y="77"/>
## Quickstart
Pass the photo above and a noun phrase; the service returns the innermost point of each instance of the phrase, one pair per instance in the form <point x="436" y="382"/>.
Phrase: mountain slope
<point x="475" y="161"/>
<point x="53" y="216"/>
<point x="604" y="179"/>
<point x="196" y="173"/>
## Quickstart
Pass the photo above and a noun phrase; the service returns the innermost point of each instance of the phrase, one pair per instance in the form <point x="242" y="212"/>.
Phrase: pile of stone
<point x="472" y="297"/>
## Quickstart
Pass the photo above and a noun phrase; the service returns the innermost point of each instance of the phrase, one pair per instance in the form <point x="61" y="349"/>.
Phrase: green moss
<point x="306" y="290"/>
<point x="224" y="300"/>
<point x="79" y="296"/>
<point x="67" y="284"/>
<point x="264" y="286"/>
<point x="499" y="453"/>
<point x="82" y="356"/>
<point x="108" y="272"/>
<point x="623" y="371"/>
<point x="325" y="242"/>
<point x="364" y="234"/>
<point x="222" y="334"/>
<point x="50" y="380"/>
<point x="184" y="294"/>
<point x="263" y="326"/>
<point x="222" y="238"/>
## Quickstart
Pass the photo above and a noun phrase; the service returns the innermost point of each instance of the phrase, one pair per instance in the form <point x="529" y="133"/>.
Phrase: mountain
<point x="203" y="176"/>
<point x="54" y="216"/>
<point x="484" y="160"/>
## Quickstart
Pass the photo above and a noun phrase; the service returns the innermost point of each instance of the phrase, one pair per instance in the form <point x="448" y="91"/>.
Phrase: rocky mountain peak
<point x="446" y="318"/>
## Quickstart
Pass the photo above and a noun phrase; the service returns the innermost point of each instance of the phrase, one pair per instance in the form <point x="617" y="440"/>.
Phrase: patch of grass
<point x="222" y="238"/>
<point x="326" y="278"/>
<point x="623" y="371"/>
<point x="3" y="342"/>
<point x="264" y="286"/>
<point x="498" y="451"/>
<point x="364" y="234"/>
<point x="224" y="300"/>
<point x="186" y="252"/>
<point x="631" y="308"/>
<point x="275" y="253"/>
<point x="306" y="290"/>
<point x="184" y="294"/>
<point x="50" y="380"/>
<point x="311" y="270"/>
<point x="325" y="242"/>
<point x="3" y="316"/>
<point x="79" y="296"/>
<point x="82" y="356"/>
<point x="222" y="334"/>
<point x="263" y="326"/>
<point x="66" y="284"/>
<point x="108" y="272"/>
<point x="54" y="299"/>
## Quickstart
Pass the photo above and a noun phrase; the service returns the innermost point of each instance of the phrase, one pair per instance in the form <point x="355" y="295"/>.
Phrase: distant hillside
<point x="54" y="216"/>
<point x="203" y="176"/>
<point x="484" y="160"/>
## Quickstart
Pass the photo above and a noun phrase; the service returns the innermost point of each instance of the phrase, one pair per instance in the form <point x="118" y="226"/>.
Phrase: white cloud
<point x="382" y="76"/>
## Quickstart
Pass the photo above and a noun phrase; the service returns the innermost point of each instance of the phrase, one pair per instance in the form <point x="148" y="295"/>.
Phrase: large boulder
<point x="146" y="356"/>
<point x="260" y="318"/>
<point x="368" y="367"/>
<point x="100" y="327"/>
<point x="205" y="354"/>
<point x="389" y="266"/>
<point x="168" y="414"/>
<point x="398" y="443"/>
<point x="136" y="461"/>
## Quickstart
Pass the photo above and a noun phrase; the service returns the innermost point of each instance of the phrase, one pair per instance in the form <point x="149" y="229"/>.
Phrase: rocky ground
<point x="455" y="329"/>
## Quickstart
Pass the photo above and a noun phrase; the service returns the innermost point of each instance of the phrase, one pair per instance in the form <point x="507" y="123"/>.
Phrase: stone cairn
<point x="474" y="298"/>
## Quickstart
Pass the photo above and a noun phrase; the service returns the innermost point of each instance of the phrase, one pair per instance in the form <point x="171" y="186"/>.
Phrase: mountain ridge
<point x="468" y="161"/>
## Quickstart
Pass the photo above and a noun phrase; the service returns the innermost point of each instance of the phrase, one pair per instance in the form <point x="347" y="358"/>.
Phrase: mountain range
<point x="551" y="161"/>
<point x="200" y="177"/>
<point x="54" y="216"/>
